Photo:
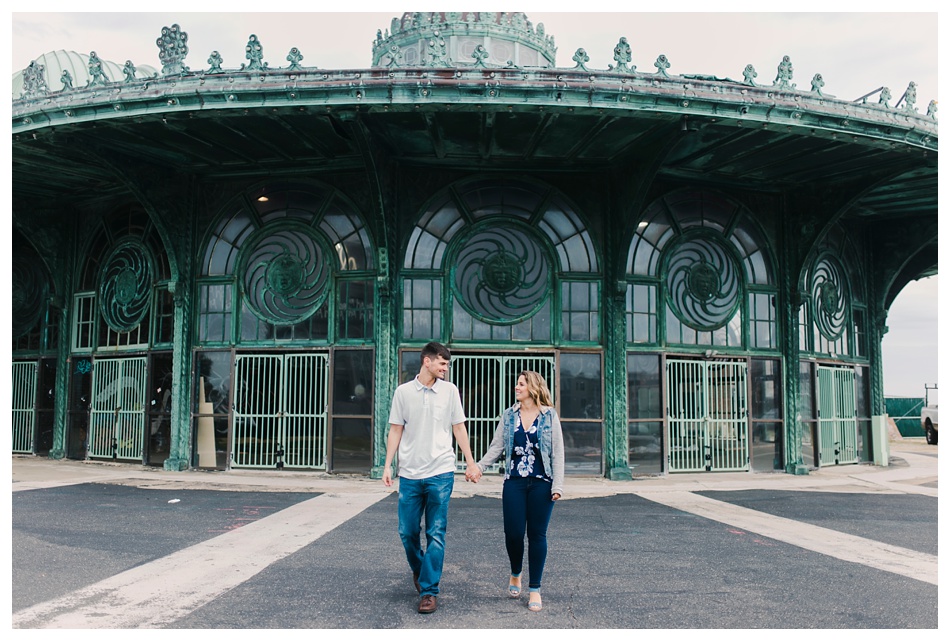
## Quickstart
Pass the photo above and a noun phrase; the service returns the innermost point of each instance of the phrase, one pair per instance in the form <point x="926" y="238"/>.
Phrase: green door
<point x="486" y="384"/>
<point x="837" y="425"/>
<point x="117" y="414"/>
<point x="707" y="418"/>
<point x="280" y="411"/>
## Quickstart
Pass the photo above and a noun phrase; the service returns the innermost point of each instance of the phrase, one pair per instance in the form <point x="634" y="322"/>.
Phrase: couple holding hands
<point x="426" y="412"/>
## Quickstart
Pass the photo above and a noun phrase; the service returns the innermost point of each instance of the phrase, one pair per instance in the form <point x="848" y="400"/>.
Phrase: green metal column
<point x="384" y="334"/>
<point x="182" y="237"/>
<point x="63" y="363"/>
<point x="616" y="448"/>
<point x="789" y="330"/>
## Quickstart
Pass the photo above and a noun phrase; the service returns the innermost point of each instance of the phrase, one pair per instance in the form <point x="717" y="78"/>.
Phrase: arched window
<point x="506" y="260"/>
<point x="699" y="273"/>
<point x="282" y="262"/>
<point x="833" y="314"/>
<point x="122" y="298"/>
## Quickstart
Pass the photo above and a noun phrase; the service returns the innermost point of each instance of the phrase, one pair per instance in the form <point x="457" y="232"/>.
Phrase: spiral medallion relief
<point x="502" y="275"/>
<point x="703" y="283"/>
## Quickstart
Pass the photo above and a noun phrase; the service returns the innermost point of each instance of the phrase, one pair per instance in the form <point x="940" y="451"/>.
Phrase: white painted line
<point x="157" y="593"/>
<point x="882" y="556"/>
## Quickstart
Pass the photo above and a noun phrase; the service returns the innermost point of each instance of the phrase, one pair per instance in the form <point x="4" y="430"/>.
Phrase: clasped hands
<point x="473" y="473"/>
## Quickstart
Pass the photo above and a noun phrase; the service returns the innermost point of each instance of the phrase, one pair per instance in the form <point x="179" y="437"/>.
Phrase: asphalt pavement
<point x="112" y="545"/>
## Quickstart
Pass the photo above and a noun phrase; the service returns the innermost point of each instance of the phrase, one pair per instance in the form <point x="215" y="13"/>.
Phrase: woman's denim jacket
<point x="550" y="441"/>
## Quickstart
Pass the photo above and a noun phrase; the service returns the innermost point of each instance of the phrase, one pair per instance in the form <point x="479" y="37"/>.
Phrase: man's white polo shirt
<point x="427" y="416"/>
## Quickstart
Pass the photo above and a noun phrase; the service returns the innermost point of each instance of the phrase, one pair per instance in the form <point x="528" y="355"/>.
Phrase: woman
<point x="529" y="437"/>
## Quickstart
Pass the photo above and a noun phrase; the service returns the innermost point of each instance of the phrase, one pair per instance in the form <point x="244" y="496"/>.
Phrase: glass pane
<point x="352" y="445"/>
<point x="353" y="382"/>
<point x="767" y="447"/>
<point x="409" y="365"/>
<point x="580" y="386"/>
<point x="645" y="447"/>
<point x="212" y="382"/>
<point x="643" y="386"/>
<point x="806" y="395"/>
<point x="583" y="447"/>
<point x="862" y="392"/>
<point x="808" y="443"/>
<point x="766" y="388"/>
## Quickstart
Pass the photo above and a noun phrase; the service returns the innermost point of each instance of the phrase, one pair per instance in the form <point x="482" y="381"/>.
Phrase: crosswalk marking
<point x="847" y="547"/>
<point x="156" y="593"/>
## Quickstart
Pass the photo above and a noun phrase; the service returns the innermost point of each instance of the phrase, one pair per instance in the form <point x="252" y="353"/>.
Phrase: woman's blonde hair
<point x="537" y="388"/>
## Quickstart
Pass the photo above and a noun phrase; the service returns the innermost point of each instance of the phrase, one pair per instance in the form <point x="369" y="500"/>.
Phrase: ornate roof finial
<point x="129" y="71"/>
<point x="885" y="97"/>
<point x="96" y="76"/>
<point x="254" y="52"/>
<point x="749" y="75"/>
<point x="34" y="80"/>
<point x="932" y="109"/>
<point x="438" y="52"/>
<point x="662" y="64"/>
<point x="294" y="58"/>
<point x="817" y="82"/>
<point x="66" y="79"/>
<point x="581" y="57"/>
<point x="785" y="70"/>
<point x="910" y="97"/>
<point x="172" y="49"/>
<point x="622" y="56"/>
<point x="394" y="55"/>
<point x="215" y="61"/>
<point x="481" y="55"/>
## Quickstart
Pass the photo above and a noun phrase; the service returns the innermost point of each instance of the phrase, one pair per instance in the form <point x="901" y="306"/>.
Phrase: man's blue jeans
<point x="430" y="497"/>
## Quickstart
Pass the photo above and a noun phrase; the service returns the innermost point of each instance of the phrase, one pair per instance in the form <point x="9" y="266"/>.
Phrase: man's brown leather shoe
<point x="415" y="582"/>
<point x="427" y="604"/>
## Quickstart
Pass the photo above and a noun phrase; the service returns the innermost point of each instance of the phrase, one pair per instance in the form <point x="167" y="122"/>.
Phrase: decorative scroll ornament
<point x="662" y="64"/>
<point x="703" y="282"/>
<point x="622" y="56"/>
<point x="96" y="75"/>
<point x="829" y="297"/>
<point x="784" y="77"/>
<point x="30" y="291"/>
<point x="501" y="275"/>
<point x="285" y="274"/>
<point x="125" y="286"/>
<point x="34" y="80"/>
<point x="254" y="52"/>
<point x="129" y="71"/>
<point x="749" y="75"/>
<point x="172" y="49"/>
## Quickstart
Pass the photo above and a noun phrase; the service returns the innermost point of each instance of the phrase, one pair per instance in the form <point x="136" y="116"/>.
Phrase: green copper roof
<point x="58" y="69"/>
<point x="457" y="38"/>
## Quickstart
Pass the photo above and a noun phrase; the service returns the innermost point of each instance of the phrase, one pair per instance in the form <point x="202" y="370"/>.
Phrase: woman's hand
<point x="555" y="496"/>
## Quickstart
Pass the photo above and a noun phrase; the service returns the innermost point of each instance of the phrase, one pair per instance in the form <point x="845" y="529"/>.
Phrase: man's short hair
<point x="432" y="350"/>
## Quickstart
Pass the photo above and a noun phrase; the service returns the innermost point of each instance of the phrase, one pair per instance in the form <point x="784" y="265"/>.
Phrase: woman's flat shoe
<point x="514" y="591"/>
<point x="534" y="606"/>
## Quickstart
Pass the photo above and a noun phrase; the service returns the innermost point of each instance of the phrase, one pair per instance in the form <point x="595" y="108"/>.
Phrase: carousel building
<point x="234" y="264"/>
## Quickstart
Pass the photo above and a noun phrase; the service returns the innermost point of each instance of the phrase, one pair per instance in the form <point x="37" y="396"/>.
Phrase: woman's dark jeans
<point x="526" y="505"/>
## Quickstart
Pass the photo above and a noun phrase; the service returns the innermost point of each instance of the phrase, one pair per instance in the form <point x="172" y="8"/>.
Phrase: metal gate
<point x="117" y="414"/>
<point x="487" y="386"/>
<point x="837" y="424"/>
<point x="24" y="406"/>
<point x="707" y="417"/>
<point x="280" y="411"/>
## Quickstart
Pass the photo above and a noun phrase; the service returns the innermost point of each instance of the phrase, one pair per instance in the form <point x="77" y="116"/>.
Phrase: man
<point x="426" y="413"/>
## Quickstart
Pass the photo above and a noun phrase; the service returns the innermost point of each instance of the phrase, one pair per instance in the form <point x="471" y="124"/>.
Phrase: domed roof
<point x="463" y="38"/>
<point x="50" y="67"/>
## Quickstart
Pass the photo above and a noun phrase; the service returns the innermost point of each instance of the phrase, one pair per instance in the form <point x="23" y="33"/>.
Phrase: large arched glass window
<point x="699" y="273"/>
<point x="833" y="315"/>
<point x="501" y="260"/>
<point x="122" y="298"/>
<point x="282" y="262"/>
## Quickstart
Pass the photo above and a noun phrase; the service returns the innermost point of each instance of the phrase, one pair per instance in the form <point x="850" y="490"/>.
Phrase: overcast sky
<point x="856" y="53"/>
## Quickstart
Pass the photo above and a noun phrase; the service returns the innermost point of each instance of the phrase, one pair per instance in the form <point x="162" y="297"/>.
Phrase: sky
<point x="856" y="54"/>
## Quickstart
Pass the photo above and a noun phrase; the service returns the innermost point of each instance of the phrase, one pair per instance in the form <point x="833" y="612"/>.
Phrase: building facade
<point x="235" y="267"/>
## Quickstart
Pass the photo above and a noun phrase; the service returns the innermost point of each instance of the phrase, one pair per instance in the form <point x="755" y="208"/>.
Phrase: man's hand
<point x="388" y="476"/>
<point x="472" y="473"/>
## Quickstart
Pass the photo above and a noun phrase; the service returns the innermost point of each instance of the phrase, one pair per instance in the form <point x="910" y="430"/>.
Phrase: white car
<point x="928" y="420"/>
